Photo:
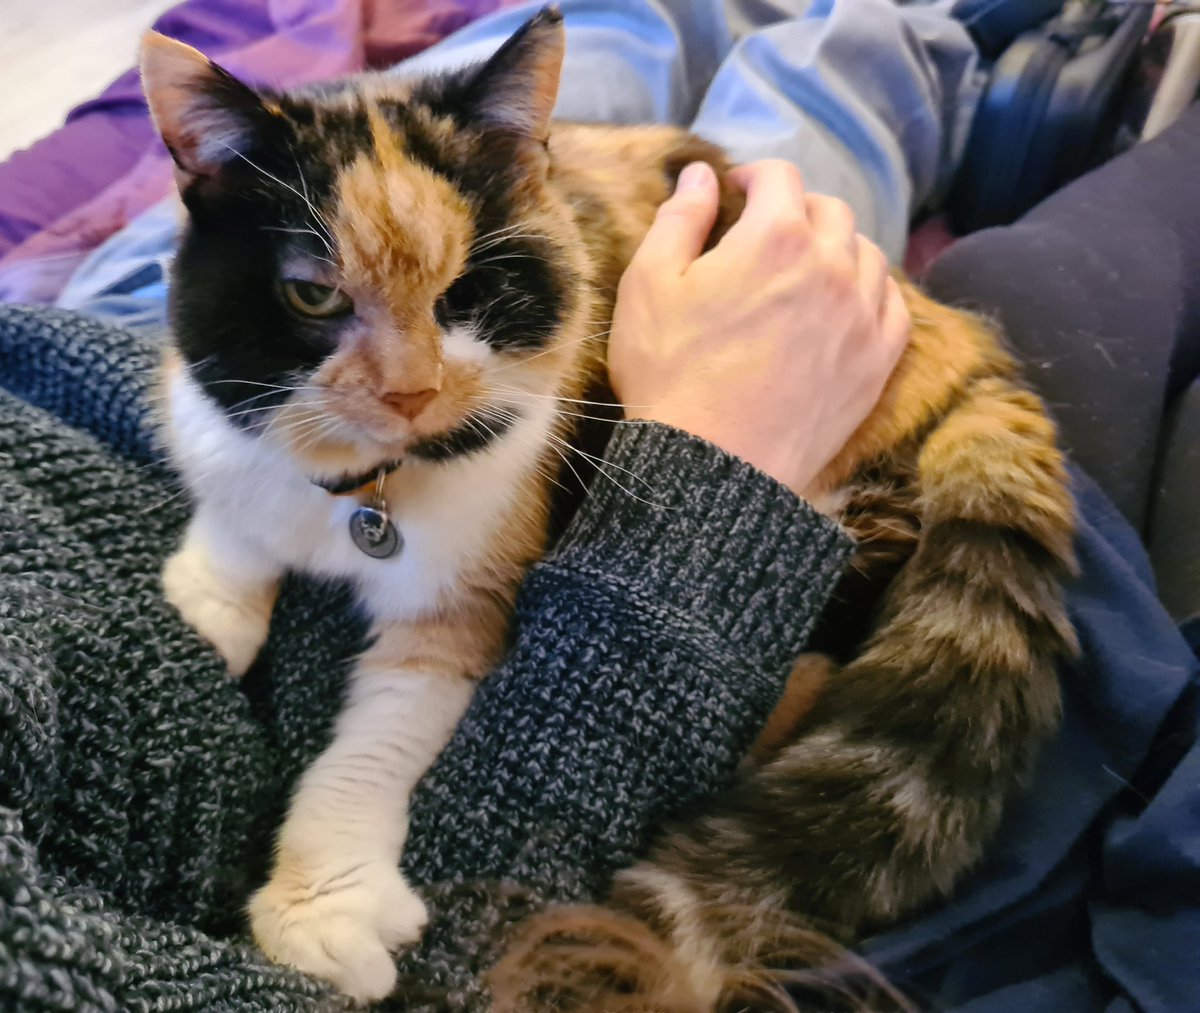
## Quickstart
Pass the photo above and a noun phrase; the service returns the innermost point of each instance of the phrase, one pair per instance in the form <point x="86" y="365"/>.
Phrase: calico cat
<point x="384" y="290"/>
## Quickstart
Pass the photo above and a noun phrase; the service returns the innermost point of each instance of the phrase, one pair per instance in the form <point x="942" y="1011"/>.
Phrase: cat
<point x="384" y="289"/>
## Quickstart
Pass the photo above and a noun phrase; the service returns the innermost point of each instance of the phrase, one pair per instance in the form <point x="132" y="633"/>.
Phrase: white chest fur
<point x="255" y="504"/>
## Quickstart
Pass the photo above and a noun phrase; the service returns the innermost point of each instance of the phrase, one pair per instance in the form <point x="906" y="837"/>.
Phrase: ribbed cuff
<point x="680" y="523"/>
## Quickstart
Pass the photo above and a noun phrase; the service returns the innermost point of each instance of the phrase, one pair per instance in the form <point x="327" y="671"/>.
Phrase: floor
<point x="55" y="53"/>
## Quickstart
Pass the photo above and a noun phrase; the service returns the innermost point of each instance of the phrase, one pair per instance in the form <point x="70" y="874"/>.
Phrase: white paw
<point x="234" y="622"/>
<point x="343" y="929"/>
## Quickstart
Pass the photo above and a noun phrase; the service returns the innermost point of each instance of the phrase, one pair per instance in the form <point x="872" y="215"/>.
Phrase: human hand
<point x="776" y="344"/>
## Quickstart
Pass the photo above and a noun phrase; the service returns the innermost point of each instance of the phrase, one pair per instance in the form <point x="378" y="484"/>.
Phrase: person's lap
<point x="1098" y="289"/>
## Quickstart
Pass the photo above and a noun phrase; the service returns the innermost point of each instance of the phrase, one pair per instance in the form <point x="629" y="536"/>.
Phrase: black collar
<point x="352" y="483"/>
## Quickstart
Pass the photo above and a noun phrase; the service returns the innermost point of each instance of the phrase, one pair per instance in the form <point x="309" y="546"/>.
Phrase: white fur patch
<point x="462" y="344"/>
<point x="696" y="950"/>
<point x="831" y="504"/>
<point x="447" y="512"/>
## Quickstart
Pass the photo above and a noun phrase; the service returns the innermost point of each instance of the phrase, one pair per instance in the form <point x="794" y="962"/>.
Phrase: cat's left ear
<point x="205" y="115"/>
<point x="516" y="89"/>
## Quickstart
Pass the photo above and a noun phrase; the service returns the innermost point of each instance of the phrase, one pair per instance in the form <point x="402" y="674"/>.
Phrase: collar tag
<point x="371" y="529"/>
<point x="373" y="532"/>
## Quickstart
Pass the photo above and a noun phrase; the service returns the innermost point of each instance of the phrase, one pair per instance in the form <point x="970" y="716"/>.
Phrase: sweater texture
<point x="140" y="788"/>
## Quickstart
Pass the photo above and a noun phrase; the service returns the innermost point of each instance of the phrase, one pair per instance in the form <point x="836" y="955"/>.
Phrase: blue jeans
<point x="870" y="99"/>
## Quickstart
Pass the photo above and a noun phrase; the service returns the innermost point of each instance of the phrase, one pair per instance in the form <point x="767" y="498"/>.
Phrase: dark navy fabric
<point x="1090" y="899"/>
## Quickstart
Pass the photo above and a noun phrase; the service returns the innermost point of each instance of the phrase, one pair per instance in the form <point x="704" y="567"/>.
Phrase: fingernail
<point x="694" y="177"/>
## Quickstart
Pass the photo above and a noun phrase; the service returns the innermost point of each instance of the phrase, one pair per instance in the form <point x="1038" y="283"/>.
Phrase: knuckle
<point x="835" y="211"/>
<point x="789" y="227"/>
<point x="870" y="255"/>
<point x="841" y="279"/>
<point x="781" y="166"/>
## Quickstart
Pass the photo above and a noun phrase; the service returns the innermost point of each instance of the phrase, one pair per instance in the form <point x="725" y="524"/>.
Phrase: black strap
<point x="341" y="486"/>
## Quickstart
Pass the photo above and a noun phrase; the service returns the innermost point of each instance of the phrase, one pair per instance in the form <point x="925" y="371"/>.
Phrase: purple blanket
<point x="69" y="192"/>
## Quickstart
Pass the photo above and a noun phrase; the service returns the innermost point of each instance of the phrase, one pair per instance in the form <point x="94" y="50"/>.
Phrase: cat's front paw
<point x="342" y="929"/>
<point x="234" y="620"/>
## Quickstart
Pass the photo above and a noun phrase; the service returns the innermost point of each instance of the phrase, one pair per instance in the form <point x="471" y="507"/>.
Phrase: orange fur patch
<point x="402" y="234"/>
<point x="804" y="686"/>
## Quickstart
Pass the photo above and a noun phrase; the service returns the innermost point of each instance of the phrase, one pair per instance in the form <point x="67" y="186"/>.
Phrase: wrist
<point x="779" y="459"/>
<point x="699" y="531"/>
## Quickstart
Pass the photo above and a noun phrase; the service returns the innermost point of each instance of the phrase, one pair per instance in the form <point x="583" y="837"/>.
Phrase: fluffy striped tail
<point x="599" y="960"/>
<point x="893" y="787"/>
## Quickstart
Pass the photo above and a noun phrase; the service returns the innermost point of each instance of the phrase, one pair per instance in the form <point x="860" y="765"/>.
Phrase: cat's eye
<point x="313" y="300"/>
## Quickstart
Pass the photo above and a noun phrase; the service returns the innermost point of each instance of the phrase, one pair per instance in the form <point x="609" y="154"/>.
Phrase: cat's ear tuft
<point x="205" y="115"/>
<point x="517" y="88"/>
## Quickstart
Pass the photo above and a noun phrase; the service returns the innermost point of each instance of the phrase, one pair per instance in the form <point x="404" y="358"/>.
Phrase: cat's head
<point x="372" y="269"/>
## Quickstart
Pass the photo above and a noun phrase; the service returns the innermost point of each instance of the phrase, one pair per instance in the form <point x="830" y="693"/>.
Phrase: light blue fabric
<point x="870" y="99"/>
<point x="125" y="279"/>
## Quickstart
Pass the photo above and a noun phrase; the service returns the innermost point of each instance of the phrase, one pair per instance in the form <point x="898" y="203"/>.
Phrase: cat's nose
<point x="410" y="404"/>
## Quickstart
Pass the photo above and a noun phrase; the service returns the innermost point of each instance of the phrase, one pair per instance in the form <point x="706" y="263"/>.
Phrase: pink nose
<point x="409" y="404"/>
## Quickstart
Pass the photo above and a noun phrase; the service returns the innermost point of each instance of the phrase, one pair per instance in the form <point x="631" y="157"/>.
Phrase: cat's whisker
<point x="599" y="463"/>
<point x="559" y="397"/>
<point x="270" y="408"/>
<point x="291" y="231"/>
<point x="163" y="462"/>
<point x="566" y="460"/>
<point x="479" y="424"/>
<point x="545" y="473"/>
<point x="296" y="420"/>
<point x="287" y="186"/>
<point x="485" y="242"/>
<point x="499" y="258"/>
<point x="503" y="230"/>
<point x="159" y="504"/>
<point x="292" y="428"/>
<point x="602" y="467"/>
<point x="272" y="386"/>
<point x="309" y="232"/>
<point x="573" y="415"/>
<point x="550" y="351"/>
<point x="315" y="436"/>
<point x="316" y="214"/>
<point x="247" y="402"/>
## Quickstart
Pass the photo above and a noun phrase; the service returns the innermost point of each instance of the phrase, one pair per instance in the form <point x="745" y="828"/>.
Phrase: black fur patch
<point x="269" y="204"/>
<point x="472" y="436"/>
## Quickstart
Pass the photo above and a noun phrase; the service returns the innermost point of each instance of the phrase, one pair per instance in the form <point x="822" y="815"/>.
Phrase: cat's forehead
<point x="399" y="224"/>
<point x="336" y="121"/>
<point x="401" y="228"/>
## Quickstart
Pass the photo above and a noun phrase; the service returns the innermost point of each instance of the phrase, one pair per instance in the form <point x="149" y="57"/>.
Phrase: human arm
<point x="649" y="648"/>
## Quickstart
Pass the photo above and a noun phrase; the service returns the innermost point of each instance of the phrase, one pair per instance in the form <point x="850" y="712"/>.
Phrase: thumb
<point x="677" y="236"/>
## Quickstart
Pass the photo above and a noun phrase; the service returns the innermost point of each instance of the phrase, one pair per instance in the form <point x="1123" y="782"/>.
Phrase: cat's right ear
<point x="515" y="90"/>
<point x="206" y="116"/>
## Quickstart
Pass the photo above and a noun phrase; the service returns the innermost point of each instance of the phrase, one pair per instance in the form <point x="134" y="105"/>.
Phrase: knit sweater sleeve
<point x="648" y="650"/>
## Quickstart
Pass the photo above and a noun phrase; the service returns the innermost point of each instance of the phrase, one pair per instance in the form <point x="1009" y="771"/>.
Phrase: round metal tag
<point x="374" y="533"/>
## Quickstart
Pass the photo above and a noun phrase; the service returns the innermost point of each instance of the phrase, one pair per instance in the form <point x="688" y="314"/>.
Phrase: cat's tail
<point x="600" y="960"/>
<point x="890" y="793"/>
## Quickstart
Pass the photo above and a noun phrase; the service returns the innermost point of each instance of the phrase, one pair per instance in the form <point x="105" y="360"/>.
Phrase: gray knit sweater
<point x="139" y="787"/>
